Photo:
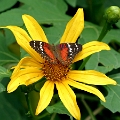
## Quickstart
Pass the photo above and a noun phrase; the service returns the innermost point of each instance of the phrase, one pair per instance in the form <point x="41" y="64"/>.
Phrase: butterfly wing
<point x="67" y="52"/>
<point x="44" y="49"/>
<point x="64" y="52"/>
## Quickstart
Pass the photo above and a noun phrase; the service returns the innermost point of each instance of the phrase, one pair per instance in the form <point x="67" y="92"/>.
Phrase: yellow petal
<point x="26" y="71"/>
<point x="91" y="77"/>
<point x="68" y="98"/>
<point x="29" y="75"/>
<point x="23" y="40"/>
<point x="90" y="48"/>
<point x="87" y="88"/>
<point x="30" y="62"/>
<point x="73" y="28"/>
<point x="24" y="77"/>
<point x="34" y="28"/>
<point x="46" y="94"/>
<point x="26" y="62"/>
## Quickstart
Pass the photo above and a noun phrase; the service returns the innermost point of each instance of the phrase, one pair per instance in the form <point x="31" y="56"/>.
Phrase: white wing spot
<point x="70" y="49"/>
<point x="34" y="44"/>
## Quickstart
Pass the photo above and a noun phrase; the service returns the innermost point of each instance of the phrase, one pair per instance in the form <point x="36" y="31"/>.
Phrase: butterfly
<point x="63" y="53"/>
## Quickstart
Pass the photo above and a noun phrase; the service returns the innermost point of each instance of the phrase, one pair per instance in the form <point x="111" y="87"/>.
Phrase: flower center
<point x="55" y="72"/>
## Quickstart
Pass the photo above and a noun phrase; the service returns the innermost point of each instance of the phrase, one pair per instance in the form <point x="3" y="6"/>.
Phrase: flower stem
<point x="30" y="111"/>
<point x="89" y="110"/>
<point x="95" y="112"/>
<point x="42" y="116"/>
<point x="83" y="63"/>
<point x="106" y="28"/>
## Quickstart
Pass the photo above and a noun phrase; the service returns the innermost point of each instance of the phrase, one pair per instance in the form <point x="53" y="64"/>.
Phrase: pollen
<point x="55" y="72"/>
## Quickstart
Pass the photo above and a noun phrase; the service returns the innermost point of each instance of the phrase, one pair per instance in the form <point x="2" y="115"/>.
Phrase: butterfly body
<point x="64" y="52"/>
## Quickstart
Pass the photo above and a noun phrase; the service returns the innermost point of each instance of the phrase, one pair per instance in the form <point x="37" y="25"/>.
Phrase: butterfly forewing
<point x="68" y="51"/>
<point x="44" y="49"/>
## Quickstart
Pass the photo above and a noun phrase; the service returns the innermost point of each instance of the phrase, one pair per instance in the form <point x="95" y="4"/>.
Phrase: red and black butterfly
<point x="64" y="52"/>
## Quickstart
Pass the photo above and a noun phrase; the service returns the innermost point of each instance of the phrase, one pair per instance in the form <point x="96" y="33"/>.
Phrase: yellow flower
<point x="31" y="69"/>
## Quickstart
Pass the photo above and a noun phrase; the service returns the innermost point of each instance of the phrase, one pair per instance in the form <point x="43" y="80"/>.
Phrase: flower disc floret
<point x="55" y="72"/>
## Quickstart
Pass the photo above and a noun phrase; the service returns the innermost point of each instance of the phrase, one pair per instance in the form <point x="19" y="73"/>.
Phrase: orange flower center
<point x="55" y="72"/>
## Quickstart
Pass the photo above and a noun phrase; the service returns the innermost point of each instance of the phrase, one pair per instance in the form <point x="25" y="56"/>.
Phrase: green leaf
<point x="58" y="108"/>
<point x="113" y="97"/>
<point x="4" y="72"/>
<point x="72" y="2"/>
<point x="52" y="6"/>
<point x="9" y="37"/>
<point x="91" y="32"/>
<point x="110" y="58"/>
<point x="12" y="17"/>
<point x="23" y="53"/>
<point x="2" y="88"/>
<point x="7" y="110"/>
<point x="100" y="62"/>
<point x="112" y="35"/>
<point x="44" y="11"/>
<point x="5" y="55"/>
<point x="6" y="4"/>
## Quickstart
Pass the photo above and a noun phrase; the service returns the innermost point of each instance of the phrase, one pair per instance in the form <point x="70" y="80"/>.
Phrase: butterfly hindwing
<point x="44" y="49"/>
